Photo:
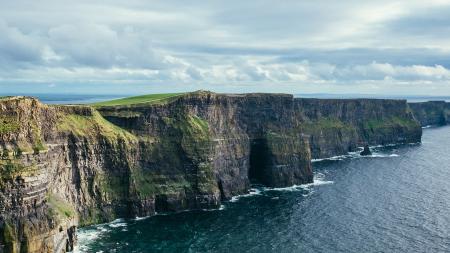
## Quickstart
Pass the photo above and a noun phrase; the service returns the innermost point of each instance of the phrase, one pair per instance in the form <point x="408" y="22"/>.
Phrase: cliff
<point x="68" y="166"/>
<point x="338" y="126"/>
<point x="431" y="113"/>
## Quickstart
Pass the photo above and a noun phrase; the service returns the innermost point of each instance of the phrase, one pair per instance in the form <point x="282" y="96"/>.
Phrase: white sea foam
<point x="337" y="158"/>
<point x="117" y="225"/>
<point x="319" y="179"/>
<point x="333" y="158"/>
<point x="356" y="154"/>
<point x="252" y="192"/>
<point x="221" y="207"/>
<point x="89" y="235"/>
<point x="103" y="229"/>
<point x="427" y="126"/>
<point x="289" y="188"/>
<point x="381" y="155"/>
<point x="141" y="218"/>
<point x="92" y="233"/>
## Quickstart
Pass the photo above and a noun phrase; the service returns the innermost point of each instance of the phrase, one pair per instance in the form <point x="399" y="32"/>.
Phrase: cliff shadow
<point x="259" y="161"/>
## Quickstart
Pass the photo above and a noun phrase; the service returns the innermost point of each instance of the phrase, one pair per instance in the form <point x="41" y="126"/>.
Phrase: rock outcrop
<point x="67" y="166"/>
<point x="366" y="151"/>
<point x="431" y="113"/>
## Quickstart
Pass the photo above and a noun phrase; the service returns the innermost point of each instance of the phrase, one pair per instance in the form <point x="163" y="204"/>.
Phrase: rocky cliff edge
<point x="67" y="166"/>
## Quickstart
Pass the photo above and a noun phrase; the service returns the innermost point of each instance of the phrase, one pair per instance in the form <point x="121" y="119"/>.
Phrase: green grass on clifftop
<point x="150" y="99"/>
<point x="85" y="126"/>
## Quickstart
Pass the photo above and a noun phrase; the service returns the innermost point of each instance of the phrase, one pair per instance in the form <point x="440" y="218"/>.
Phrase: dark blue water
<point x="396" y="201"/>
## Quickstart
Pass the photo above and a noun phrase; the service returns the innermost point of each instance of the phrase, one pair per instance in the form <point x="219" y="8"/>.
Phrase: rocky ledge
<point x="67" y="166"/>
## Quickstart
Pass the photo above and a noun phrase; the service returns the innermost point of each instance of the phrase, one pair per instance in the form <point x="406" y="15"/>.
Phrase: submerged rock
<point x="366" y="151"/>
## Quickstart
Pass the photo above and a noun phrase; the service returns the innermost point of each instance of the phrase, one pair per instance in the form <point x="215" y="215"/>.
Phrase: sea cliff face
<point x="69" y="166"/>
<point x="338" y="126"/>
<point x="432" y="113"/>
<point x="218" y="135"/>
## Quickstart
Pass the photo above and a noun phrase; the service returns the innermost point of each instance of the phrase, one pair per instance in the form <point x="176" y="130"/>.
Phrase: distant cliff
<point x="337" y="126"/>
<point x="68" y="166"/>
<point x="430" y="113"/>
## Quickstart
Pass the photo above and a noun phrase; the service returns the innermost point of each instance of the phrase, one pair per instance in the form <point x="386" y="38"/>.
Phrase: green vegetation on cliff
<point x="62" y="208"/>
<point x="91" y="125"/>
<point x="375" y="124"/>
<point x="188" y="142"/>
<point x="145" y="99"/>
<point x="150" y="183"/>
<point x="9" y="238"/>
<point x="197" y="145"/>
<point x="8" y="124"/>
<point x="11" y="168"/>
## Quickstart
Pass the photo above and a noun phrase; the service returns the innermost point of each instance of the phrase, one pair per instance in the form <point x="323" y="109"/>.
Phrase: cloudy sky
<point x="322" y="46"/>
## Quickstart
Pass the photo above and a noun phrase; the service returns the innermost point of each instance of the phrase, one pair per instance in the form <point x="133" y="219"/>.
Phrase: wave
<point x="141" y="218"/>
<point x="319" y="179"/>
<point x="221" y="207"/>
<point x="317" y="182"/>
<point x="117" y="225"/>
<point x="356" y="154"/>
<point x="381" y="155"/>
<point x="338" y="157"/>
<point x="252" y="192"/>
<point x="93" y="233"/>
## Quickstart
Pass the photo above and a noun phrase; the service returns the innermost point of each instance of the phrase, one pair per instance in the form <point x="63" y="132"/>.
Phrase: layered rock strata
<point x="338" y="126"/>
<point x="432" y="113"/>
<point x="67" y="166"/>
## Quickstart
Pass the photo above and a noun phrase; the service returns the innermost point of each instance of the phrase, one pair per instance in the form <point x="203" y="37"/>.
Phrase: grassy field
<point x="151" y="98"/>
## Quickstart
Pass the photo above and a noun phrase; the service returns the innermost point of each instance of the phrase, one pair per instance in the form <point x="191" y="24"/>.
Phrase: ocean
<point x="396" y="200"/>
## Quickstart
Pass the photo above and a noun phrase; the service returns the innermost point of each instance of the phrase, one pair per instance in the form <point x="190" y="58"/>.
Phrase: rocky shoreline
<point x="69" y="166"/>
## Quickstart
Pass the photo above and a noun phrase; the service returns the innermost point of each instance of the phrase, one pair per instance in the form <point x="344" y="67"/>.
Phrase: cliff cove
<point x="64" y="167"/>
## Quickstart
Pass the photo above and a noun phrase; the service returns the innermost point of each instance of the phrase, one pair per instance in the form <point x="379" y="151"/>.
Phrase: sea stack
<point x="366" y="151"/>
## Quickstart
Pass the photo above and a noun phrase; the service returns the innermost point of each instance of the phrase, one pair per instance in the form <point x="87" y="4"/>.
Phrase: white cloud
<point x="386" y="71"/>
<point x="220" y="43"/>
<point x="16" y="46"/>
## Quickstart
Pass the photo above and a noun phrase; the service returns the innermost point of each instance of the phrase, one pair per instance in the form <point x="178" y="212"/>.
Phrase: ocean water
<point x="397" y="200"/>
